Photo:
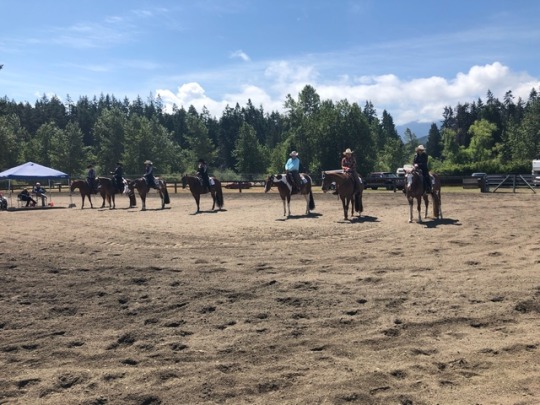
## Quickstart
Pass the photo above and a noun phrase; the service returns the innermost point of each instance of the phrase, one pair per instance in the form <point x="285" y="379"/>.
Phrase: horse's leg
<point x="306" y="196"/>
<point x="213" y="194"/>
<point x="352" y="202"/>
<point x="419" y="208"/>
<point x="345" y="204"/>
<point x="426" y="203"/>
<point x="289" y="204"/>
<point x="197" y="201"/>
<point x="82" y="205"/>
<point x="113" y="201"/>
<point x="411" y="202"/>
<point x="143" y="199"/>
<point x="90" y="199"/>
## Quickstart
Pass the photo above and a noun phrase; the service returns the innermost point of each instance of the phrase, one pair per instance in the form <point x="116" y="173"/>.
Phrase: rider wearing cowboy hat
<point x="149" y="174"/>
<point x="348" y="164"/>
<point x="91" y="178"/>
<point x="293" y="167"/>
<point x="420" y="161"/>
<point x="119" y="176"/>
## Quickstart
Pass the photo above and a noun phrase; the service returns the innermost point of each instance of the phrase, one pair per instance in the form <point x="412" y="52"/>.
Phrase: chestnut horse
<point x="85" y="191"/>
<point x="142" y="187"/>
<point x="286" y="189"/>
<point x="414" y="188"/>
<point x="108" y="187"/>
<point x="196" y="188"/>
<point x="345" y="189"/>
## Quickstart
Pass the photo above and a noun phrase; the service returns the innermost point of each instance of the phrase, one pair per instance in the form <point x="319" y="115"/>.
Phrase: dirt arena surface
<point x="244" y="306"/>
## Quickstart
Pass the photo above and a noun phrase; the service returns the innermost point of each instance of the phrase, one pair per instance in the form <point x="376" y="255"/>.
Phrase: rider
<point x="149" y="174"/>
<point x="119" y="177"/>
<point x="293" y="167"/>
<point x="348" y="164"/>
<point x="91" y="178"/>
<point x="202" y="172"/>
<point x="420" y="161"/>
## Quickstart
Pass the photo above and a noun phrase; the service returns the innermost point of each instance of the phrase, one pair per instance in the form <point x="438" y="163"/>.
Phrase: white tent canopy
<point x="32" y="171"/>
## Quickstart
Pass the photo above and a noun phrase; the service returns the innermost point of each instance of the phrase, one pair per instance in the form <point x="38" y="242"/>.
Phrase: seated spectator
<point x="3" y="202"/>
<point x="25" y="196"/>
<point x="39" y="192"/>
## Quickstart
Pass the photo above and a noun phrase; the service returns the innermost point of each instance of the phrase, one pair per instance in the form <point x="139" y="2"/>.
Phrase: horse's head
<point x="327" y="182"/>
<point x="268" y="183"/>
<point x="72" y="187"/>
<point x="184" y="181"/>
<point x="131" y="185"/>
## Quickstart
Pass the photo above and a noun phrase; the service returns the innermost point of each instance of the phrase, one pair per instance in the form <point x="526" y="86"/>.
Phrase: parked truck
<point x="536" y="172"/>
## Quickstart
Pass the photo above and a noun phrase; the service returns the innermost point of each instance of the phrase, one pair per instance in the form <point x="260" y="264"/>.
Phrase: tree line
<point x="489" y="136"/>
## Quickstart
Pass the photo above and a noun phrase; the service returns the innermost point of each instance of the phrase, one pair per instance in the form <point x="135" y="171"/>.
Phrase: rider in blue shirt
<point x="293" y="167"/>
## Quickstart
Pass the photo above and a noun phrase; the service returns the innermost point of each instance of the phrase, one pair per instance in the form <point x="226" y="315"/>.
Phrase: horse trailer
<point x="536" y="172"/>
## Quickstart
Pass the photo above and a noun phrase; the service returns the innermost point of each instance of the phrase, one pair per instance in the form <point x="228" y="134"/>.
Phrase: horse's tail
<point x="436" y="204"/>
<point x="166" y="199"/>
<point x="358" y="202"/>
<point x="219" y="196"/>
<point x="311" y="201"/>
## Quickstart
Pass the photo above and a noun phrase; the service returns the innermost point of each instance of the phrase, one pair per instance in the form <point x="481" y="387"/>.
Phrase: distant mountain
<point x="420" y="129"/>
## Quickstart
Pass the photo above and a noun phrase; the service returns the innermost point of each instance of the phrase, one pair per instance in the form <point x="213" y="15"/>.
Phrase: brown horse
<point x="345" y="189"/>
<point x="286" y="189"/>
<point x="107" y="186"/>
<point x="196" y="188"/>
<point x="142" y="187"/>
<point x="414" y="188"/>
<point x="85" y="191"/>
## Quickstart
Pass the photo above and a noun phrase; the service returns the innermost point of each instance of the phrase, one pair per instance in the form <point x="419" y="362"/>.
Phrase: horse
<point x="414" y="188"/>
<point x="142" y="187"/>
<point x="286" y="189"/>
<point x="345" y="189"/>
<point x="85" y="191"/>
<point x="197" y="189"/>
<point x="107" y="186"/>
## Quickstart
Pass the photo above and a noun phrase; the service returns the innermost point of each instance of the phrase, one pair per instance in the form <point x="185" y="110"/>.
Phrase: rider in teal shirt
<point x="293" y="166"/>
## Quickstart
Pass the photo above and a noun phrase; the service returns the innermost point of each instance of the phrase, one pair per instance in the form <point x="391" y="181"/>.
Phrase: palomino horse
<point x="345" y="189"/>
<point x="414" y="188"/>
<point x="142" y="187"/>
<point x="85" y="191"/>
<point x="107" y="186"/>
<point x="197" y="189"/>
<point x="286" y="189"/>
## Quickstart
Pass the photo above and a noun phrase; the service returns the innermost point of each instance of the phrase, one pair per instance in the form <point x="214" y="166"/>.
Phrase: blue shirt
<point x="292" y="165"/>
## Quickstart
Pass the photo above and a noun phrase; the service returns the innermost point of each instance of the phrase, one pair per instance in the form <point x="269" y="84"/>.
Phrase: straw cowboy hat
<point x="420" y="147"/>
<point x="294" y="154"/>
<point x="148" y="162"/>
<point x="348" y="151"/>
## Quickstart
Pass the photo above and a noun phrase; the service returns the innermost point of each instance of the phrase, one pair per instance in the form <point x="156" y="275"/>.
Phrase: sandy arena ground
<point x="244" y="306"/>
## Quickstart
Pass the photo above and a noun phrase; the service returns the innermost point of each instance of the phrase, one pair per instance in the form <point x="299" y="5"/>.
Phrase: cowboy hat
<point x="119" y="163"/>
<point x="293" y="153"/>
<point x="347" y="151"/>
<point x="89" y="166"/>
<point x="420" y="147"/>
<point x="148" y="162"/>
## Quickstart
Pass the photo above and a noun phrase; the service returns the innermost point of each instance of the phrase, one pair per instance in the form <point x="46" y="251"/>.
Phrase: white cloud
<point x="240" y="55"/>
<point x="414" y="100"/>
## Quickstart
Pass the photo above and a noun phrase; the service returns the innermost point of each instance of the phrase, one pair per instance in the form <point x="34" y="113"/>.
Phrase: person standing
<point x="91" y="178"/>
<point x="348" y="165"/>
<point x="420" y="161"/>
<point x="293" y="167"/>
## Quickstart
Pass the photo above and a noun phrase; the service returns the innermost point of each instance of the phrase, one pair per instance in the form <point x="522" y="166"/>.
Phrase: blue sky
<point x="411" y="58"/>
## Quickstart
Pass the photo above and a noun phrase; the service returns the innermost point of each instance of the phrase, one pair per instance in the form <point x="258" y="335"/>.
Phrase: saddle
<point x="290" y="180"/>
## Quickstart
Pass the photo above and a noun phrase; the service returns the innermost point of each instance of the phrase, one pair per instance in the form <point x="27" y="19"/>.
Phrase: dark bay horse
<point x="286" y="189"/>
<point x="84" y="189"/>
<point x="414" y="188"/>
<point x="197" y="189"/>
<point x="345" y="189"/>
<point x="108" y="187"/>
<point x="142" y="187"/>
